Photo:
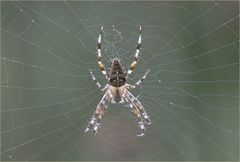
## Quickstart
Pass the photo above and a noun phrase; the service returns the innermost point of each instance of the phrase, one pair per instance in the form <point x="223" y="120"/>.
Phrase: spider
<point x="117" y="90"/>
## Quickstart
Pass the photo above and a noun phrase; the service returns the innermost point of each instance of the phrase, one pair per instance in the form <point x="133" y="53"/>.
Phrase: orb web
<point x="191" y="94"/>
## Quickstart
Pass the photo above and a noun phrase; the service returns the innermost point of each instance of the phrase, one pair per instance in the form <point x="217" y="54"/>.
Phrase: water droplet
<point x="21" y="10"/>
<point x="159" y="81"/>
<point x="171" y="103"/>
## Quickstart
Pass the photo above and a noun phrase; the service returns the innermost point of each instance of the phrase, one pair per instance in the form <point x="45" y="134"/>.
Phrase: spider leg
<point x="139" y="117"/>
<point x="99" y="51"/>
<point x="139" y="106"/>
<point x="95" y="121"/>
<point x="139" y="111"/>
<point x="95" y="80"/>
<point x="133" y="64"/>
<point x="103" y="88"/>
<point x="129" y="86"/>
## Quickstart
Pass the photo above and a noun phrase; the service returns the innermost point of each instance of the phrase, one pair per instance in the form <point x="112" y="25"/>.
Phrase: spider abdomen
<point x="117" y="93"/>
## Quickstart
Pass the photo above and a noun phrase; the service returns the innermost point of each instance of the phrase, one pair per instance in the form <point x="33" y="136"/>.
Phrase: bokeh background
<point x="191" y="94"/>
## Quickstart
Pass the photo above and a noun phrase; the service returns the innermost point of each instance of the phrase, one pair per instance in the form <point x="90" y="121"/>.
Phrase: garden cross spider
<point x="116" y="91"/>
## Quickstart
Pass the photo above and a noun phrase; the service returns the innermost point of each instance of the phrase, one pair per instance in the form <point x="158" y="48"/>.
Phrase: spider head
<point x="116" y="73"/>
<point x="116" y="61"/>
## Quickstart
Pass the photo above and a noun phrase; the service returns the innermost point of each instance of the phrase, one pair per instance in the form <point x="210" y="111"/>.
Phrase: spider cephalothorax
<point x="117" y="88"/>
<point x="116" y="73"/>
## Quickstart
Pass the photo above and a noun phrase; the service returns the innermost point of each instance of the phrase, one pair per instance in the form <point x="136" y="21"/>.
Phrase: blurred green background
<point x="191" y="94"/>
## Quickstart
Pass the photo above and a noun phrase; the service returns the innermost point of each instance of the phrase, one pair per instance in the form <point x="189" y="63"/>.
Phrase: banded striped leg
<point x="129" y="86"/>
<point x="133" y="64"/>
<point x="95" y="121"/>
<point x="99" y="51"/>
<point x="138" y="105"/>
<point x="139" y="117"/>
<point x="97" y="82"/>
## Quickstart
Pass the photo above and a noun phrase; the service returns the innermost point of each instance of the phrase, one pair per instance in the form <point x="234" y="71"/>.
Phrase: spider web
<point x="191" y="94"/>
